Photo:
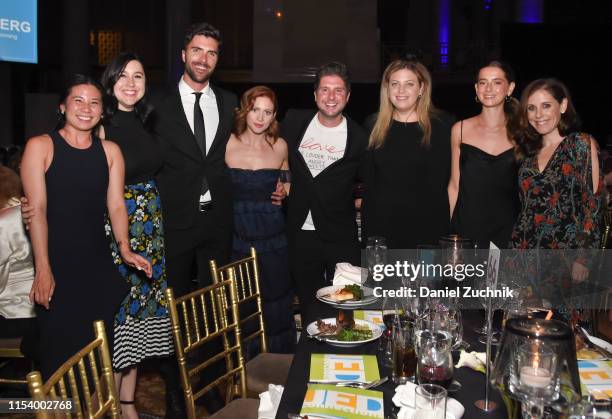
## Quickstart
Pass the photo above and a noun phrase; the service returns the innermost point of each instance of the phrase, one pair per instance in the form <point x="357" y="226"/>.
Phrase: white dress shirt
<point x="208" y="104"/>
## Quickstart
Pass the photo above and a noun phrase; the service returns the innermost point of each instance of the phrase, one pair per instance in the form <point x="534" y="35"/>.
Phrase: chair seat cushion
<point x="239" y="408"/>
<point x="267" y="368"/>
<point x="10" y="348"/>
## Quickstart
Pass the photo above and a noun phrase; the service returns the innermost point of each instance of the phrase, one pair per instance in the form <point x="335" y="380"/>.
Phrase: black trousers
<point x="313" y="263"/>
<point x="188" y="253"/>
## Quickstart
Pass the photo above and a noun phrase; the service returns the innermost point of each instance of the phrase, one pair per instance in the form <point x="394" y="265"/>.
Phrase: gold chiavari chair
<point x="265" y="368"/>
<point x="10" y="348"/>
<point x="197" y="319"/>
<point x="64" y="384"/>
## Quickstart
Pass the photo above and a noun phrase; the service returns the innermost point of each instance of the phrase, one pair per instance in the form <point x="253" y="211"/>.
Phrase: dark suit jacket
<point x="329" y="195"/>
<point x="180" y="179"/>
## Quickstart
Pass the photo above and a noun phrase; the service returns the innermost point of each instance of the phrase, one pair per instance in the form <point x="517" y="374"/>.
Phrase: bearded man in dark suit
<point x="193" y="123"/>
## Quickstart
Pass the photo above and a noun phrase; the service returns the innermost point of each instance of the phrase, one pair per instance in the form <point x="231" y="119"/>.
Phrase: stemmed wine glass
<point x="482" y="283"/>
<point x="434" y="341"/>
<point x="376" y="254"/>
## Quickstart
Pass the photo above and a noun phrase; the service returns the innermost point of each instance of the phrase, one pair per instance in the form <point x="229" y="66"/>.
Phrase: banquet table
<point x="473" y="382"/>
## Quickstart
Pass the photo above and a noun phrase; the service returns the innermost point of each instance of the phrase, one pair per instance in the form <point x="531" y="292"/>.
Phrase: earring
<point x="420" y="95"/>
<point x="476" y="99"/>
<point x="508" y="98"/>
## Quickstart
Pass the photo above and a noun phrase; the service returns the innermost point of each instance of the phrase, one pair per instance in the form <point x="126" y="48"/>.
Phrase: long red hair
<point x="247" y="101"/>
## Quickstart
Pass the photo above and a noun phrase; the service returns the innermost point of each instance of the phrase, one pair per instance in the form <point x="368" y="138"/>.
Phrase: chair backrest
<point x="92" y="363"/>
<point x="249" y="293"/>
<point x="198" y="318"/>
<point x="10" y="348"/>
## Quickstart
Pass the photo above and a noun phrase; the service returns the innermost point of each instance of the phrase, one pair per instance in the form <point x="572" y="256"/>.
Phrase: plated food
<point x="363" y="331"/>
<point x="345" y="296"/>
<point x="348" y="292"/>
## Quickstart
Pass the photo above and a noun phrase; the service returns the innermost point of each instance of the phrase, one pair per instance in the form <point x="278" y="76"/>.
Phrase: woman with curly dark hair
<point x="560" y="189"/>
<point x="257" y="161"/>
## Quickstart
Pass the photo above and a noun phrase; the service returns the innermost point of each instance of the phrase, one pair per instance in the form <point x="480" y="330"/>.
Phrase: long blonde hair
<point x="424" y="107"/>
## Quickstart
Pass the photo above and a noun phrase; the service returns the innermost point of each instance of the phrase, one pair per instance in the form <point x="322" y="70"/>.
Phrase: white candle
<point x="535" y="377"/>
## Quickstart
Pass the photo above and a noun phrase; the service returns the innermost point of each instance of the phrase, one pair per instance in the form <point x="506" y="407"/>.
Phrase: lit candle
<point x="535" y="377"/>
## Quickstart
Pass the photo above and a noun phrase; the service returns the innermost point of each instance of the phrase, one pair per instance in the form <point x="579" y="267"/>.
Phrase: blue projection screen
<point x="18" y="34"/>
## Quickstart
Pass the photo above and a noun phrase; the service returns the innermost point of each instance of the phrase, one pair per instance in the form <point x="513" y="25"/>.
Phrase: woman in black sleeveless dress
<point x="483" y="190"/>
<point x="71" y="177"/>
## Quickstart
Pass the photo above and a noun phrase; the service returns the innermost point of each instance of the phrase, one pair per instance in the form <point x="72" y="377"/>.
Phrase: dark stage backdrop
<point x="577" y="54"/>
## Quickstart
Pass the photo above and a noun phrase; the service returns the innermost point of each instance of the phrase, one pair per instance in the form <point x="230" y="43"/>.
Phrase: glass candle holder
<point x="536" y="371"/>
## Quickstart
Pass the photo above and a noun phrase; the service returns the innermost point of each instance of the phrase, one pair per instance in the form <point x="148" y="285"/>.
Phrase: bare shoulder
<point x="233" y="142"/>
<point x="39" y="141"/>
<point x="280" y="144"/>
<point x="456" y="132"/>
<point x="40" y="146"/>
<point x="110" y="147"/>
<point x="280" y="148"/>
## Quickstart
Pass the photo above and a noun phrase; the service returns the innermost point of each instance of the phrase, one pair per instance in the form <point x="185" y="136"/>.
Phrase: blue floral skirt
<point x="142" y="326"/>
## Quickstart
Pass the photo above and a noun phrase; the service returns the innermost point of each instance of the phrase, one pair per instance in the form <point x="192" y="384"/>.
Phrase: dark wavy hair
<point x="334" y="68"/>
<point x="511" y="104"/>
<point x="111" y="75"/>
<point x="530" y="141"/>
<point x="204" y="29"/>
<point x="76" y="80"/>
<point x="247" y="101"/>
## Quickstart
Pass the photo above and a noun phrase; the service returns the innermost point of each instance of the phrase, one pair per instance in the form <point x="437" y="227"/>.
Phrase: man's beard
<point x="194" y="77"/>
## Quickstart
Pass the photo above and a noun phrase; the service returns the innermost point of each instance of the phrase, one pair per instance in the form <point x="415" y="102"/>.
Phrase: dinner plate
<point x="312" y="329"/>
<point x="368" y="297"/>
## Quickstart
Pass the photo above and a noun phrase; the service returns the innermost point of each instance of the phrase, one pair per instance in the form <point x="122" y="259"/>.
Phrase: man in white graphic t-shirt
<point x="326" y="152"/>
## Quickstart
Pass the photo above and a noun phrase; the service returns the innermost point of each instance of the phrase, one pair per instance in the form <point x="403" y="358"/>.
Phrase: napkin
<point x="473" y="360"/>
<point x="404" y="399"/>
<point x="269" y="402"/>
<point x="347" y="274"/>
<point x="597" y="341"/>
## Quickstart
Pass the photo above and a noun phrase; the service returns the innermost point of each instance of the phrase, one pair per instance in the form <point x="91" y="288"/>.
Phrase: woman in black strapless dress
<point x="257" y="160"/>
<point x="71" y="177"/>
<point x="483" y="190"/>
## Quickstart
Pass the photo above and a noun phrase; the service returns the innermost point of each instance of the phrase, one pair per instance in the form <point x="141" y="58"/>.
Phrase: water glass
<point x="376" y="254"/>
<point x="430" y="402"/>
<point x="404" y="355"/>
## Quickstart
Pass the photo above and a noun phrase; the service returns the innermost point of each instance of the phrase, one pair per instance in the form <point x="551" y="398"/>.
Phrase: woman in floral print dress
<point x="560" y="191"/>
<point x="142" y="325"/>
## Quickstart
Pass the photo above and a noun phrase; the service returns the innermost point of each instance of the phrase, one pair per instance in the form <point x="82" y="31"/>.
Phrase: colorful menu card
<point x="338" y="367"/>
<point x="325" y="400"/>
<point x="374" y="316"/>
<point x="596" y="376"/>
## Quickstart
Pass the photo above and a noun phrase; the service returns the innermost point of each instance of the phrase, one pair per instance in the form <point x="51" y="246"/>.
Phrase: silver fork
<point x="363" y="386"/>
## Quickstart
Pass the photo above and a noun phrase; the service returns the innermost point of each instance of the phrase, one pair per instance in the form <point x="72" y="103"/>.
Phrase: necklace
<point x="404" y="120"/>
